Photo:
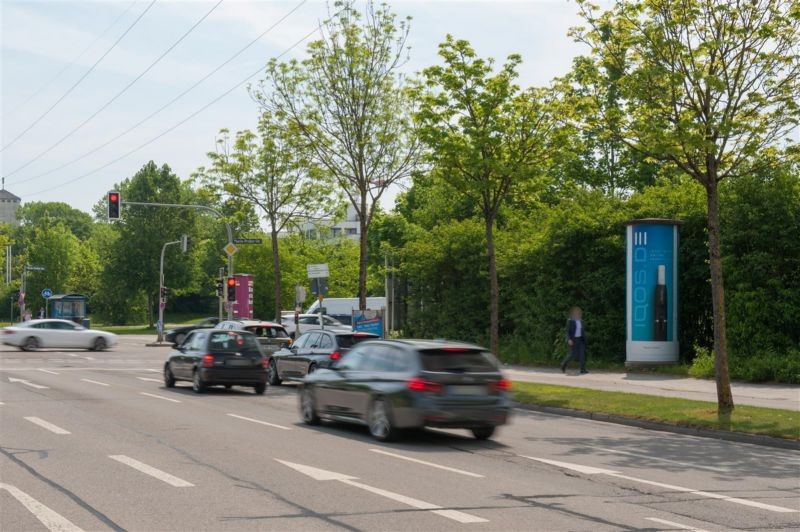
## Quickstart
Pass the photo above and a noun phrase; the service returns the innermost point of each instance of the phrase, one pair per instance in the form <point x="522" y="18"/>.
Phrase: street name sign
<point x="248" y="241"/>
<point x="317" y="270"/>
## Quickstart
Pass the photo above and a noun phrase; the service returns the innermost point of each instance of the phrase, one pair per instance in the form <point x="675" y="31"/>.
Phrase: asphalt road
<point x="93" y="441"/>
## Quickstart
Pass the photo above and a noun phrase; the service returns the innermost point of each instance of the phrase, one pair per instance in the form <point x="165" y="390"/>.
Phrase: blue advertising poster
<point x="369" y="322"/>
<point x="652" y="291"/>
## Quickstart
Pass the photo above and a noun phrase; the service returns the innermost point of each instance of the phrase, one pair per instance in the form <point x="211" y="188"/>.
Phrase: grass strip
<point x="675" y="411"/>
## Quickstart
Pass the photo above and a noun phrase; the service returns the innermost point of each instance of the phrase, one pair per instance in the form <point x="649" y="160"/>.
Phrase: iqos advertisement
<point x="652" y="291"/>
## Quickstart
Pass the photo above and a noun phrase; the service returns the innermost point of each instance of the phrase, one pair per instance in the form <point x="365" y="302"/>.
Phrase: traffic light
<point x="113" y="205"/>
<point x="164" y="292"/>
<point x="231" y="288"/>
<point x="220" y="287"/>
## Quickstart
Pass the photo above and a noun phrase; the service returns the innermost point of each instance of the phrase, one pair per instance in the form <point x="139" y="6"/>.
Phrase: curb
<point x="156" y="344"/>
<point x="738" y="437"/>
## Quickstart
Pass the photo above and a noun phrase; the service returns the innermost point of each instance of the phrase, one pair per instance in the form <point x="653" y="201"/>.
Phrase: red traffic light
<point x="113" y="197"/>
<point x="113" y="205"/>
<point x="231" y="281"/>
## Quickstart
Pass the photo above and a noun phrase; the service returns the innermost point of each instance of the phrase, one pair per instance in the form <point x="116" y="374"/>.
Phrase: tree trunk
<point x="276" y="269"/>
<point x="362" y="258"/>
<point x="724" y="396"/>
<point x="494" y="290"/>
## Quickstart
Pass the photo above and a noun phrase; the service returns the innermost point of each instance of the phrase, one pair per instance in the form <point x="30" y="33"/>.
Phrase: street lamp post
<point x="162" y="302"/>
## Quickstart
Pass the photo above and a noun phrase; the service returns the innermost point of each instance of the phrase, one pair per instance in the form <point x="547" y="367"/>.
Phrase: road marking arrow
<point x="322" y="474"/>
<point x="589" y="470"/>
<point x="27" y="383"/>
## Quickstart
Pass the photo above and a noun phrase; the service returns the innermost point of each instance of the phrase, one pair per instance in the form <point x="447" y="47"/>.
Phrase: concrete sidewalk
<point x="782" y="396"/>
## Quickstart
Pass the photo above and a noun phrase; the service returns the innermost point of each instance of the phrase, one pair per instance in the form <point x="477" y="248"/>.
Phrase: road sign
<point x="47" y="293"/>
<point x="248" y="241"/>
<point x="317" y="270"/>
<point x="35" y="268"/>
<point x="230" y="249"/>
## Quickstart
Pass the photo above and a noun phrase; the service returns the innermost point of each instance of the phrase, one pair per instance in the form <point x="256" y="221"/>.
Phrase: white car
<point x="34" y="334"/>
<point x="311" y="321"/>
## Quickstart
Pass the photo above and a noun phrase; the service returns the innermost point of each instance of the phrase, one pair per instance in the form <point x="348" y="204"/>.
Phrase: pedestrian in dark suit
<point x="576" y="340"/>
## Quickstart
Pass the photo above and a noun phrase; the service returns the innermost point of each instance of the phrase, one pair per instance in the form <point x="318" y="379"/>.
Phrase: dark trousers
<point x="578" y="350"/>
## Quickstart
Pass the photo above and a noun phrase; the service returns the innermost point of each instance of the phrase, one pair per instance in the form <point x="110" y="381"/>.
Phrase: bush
<point x="703" y="364"/>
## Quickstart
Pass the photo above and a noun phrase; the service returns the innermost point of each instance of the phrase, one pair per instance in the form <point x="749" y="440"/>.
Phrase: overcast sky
<point x="41" y="39"/>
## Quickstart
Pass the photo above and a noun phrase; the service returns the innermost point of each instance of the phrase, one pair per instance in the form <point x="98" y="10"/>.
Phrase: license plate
<point x="238" y="362"/>
<point x="468" y="390"/>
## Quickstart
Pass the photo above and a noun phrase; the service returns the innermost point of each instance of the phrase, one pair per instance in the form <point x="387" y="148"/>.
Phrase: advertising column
<point x="243" y="306"/>
<point x="652" y="292"/>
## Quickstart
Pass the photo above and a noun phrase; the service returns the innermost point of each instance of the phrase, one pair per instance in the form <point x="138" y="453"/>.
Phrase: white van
<point x="342" y="308"/>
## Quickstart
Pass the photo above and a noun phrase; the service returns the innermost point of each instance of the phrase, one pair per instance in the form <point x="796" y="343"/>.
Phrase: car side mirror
<point x="293" y="348"/>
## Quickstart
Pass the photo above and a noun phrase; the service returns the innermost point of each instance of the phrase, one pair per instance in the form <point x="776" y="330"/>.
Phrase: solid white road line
<point x="589" y="470"/>
<point x="48" y="371"/>
<point x="322" y="474"/>
<point x="155" y="370"/>
<point x="260" y="422"/>
<point x="148" y="379"/>
<point x="673" y="524"/>
<point x="685" y="464"/>
<point x="88" y="358"/>
<point x="159" y="397"/>
<point x="152" y="471"/>
<point x="47" y="425"/>
<point x="50" y="519"/>
<point x="28" y="383"/>
<point x="95" y="382"/>
<point x="430" y="464"/>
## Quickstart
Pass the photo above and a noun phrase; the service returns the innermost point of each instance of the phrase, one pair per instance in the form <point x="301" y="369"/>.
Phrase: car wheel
<point x="198" y="385"/>
<point x="228" y="386"/>
<point x="99" y="344"/>
<point x="483" y="433"/>
<point x="169" y="378"/>
<point x="31" y="344"/>
<point x="380" y="421"/>
<point x="312" y="368"/>
<point x="307" y="408"/>
<point x="179" y="338"/>
<point x="272" y="374"/>
<point x="260" y="388"/>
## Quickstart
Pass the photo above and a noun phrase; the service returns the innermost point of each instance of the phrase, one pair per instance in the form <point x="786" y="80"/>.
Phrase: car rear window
<point x="458" y="361"/>
<point x="233" y="342"/>
<point x="268" y="331"/>
<point x="347" y="341"/>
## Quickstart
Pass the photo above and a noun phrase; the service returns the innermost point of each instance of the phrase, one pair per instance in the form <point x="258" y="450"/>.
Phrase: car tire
<point x="272" y="374"/>
<point x="30" y="344"/>
<point x="198" y="385"/>
<point x="312" y="368"/>
<point x="260" y="388"/>
<point x="380" y="421"/>
<point x="308" y="409"/>
<point x="99" y="344"/>
<point x="483" y="433"/>
<point x="169" y="378"/>
<point x="179" y="338"/>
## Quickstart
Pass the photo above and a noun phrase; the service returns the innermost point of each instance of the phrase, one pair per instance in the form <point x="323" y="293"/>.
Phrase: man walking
<point x="576" y="340"/>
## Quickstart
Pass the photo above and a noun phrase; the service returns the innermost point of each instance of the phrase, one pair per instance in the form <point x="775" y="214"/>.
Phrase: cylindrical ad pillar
<point x="652" y="291"/>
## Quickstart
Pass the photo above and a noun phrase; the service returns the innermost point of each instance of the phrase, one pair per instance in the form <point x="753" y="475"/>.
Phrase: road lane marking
<point x="588" y="470"/>
<point x="656" y="458"/>
<point x="673" y="524"/>
<point x="149" y="379"/>
<point x="95" y="382"/>
<point x="48" y="371"/>
<point x="27" y="383"/>
<point x="152" y="471"/>
<point x="156" y="370"/>
<point x="47" y="425"/>
<point x="71" y="354"/>
<point x="260" y="422"/>
<point x="430" y="464"/>
<point x="159" y="397"/>
<point x="50" y="519"/>
<point x="88" y="358"/>
<point x="322" y="474"/>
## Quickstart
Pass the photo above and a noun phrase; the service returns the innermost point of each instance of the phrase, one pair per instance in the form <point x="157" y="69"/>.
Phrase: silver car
<point x="58" y="334"/>
<point x="271" y="336"/>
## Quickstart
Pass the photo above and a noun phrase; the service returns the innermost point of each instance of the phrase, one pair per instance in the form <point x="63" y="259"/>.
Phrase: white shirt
<point x="578" y="329"/>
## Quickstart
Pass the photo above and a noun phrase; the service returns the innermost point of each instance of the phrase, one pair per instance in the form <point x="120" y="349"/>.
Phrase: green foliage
<point x="703" y="364"/>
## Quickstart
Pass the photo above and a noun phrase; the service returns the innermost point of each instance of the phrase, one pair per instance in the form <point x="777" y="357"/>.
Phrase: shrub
<point x="703" y="364"/>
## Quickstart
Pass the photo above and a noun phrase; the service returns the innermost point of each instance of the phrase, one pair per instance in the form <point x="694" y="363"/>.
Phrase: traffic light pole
<point x="162" y="301"/>
<point x="196" y="207"/>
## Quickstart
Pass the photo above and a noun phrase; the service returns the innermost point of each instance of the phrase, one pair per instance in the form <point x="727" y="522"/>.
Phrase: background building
<point x="9" y="203"/>
<point x="329" y="228"/>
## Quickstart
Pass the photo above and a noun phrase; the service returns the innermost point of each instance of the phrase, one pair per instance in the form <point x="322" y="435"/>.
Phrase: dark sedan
<point x="404" y="384"/>
<point x="177" y="335"/>
<point x="314" y="349"/>
<point x="211" y="357"/>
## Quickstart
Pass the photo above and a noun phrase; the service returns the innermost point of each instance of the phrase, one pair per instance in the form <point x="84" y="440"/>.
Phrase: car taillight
<point x="503" y="385"/>
<point x="6" y="331"/>
<point x="418" y="384"/>
<point x="265" y="362"/>
<point x="336" y="355"/>
<point x="208" y="361"/>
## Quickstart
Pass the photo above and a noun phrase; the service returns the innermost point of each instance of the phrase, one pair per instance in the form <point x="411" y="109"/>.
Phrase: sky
<point x="48" y="46"/>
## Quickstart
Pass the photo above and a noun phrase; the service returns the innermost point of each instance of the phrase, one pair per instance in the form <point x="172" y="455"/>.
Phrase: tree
<point x="54" y="248"/>
<point x="708" y="86"/>
<point x="486" y="138"/>
<point x="267" y="170"/>
<point x="32" y="214"/>
<point x="346" y="101"/>
<point x="134" y="262"/>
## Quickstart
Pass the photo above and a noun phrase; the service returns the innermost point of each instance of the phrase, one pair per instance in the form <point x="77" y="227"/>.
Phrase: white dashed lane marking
<point x="159" y="397"/>
<point x="152" y="471"/>
<point x="47" y="425"/>
<point x="96" y="382"/>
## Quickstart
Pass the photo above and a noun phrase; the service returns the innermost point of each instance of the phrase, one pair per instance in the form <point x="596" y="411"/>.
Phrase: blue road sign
<point x="47" y="293"/>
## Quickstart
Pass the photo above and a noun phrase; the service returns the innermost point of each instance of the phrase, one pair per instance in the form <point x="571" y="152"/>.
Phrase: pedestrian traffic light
<point x="220" y="287"/>
<point x="231" y="288"/>
<point x="113" y="205"/>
